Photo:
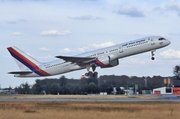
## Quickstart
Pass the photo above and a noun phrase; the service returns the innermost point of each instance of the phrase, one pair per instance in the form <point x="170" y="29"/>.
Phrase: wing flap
<point x="20" y="72"/>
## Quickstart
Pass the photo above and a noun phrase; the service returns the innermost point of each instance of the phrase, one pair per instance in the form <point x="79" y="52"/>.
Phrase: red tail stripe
<point x="12" y="50"/>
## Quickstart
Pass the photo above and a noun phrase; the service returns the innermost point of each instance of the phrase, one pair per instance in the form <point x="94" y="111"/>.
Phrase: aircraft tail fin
<point x="23" y="60"/>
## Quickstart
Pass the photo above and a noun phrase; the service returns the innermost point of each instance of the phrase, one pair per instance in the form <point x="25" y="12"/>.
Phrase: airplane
<point x="105" y="58"/>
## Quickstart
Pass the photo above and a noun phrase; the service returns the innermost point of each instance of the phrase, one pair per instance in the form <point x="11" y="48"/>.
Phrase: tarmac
<point x="92" y="98"/>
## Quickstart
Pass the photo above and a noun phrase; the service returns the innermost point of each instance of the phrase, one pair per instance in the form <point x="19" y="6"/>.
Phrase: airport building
<point x="7" y="91"/>
<point x="162" y="90"/>
<point x="167" y="90"/>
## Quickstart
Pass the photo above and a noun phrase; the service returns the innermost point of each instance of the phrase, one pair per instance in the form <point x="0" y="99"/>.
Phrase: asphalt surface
<point x="151" y="98"/>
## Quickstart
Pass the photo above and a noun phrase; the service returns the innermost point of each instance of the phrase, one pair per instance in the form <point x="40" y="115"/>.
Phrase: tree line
<point x="90" y="85"/>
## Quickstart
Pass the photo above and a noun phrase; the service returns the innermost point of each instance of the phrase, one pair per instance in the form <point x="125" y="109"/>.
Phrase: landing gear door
<point x="120" y="49"/>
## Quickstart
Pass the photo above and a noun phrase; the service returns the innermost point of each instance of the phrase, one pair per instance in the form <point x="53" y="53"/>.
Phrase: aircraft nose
<point x="168" y="42"/>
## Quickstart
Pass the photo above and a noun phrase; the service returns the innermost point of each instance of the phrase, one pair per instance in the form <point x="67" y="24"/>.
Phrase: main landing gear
<point x="152" y="53"/>
<point x="91" y="73"/>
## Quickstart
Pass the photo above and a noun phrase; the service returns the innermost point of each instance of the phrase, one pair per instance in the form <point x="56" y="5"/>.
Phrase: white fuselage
<point x="115" y="52"/>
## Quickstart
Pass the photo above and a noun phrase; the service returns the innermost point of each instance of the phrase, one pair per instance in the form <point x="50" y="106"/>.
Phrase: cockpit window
<point x="161" y="38"/>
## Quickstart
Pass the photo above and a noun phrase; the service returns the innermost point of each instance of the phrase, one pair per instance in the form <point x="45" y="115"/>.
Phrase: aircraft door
<point x="152" y="42"/>
<point x="120" y="49"/>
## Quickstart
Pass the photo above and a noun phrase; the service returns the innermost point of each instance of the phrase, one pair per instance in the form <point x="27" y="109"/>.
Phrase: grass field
<point x="88" y="110"/>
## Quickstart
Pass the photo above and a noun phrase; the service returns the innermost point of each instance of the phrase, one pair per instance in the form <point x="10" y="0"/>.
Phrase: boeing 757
<point x="104" y="58"/>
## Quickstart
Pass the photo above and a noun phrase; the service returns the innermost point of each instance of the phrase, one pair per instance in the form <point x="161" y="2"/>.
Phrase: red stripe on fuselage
<point x="99" y="62"/>
<point x="28" y="61"/>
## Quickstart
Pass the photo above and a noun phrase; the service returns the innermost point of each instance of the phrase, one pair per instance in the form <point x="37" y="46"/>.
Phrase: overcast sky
<point x="47" y="28"/>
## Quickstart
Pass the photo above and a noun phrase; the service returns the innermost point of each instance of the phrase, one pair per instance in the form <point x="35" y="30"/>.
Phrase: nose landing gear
<point x="153" y="58"/>
<point x="152" y="53"/>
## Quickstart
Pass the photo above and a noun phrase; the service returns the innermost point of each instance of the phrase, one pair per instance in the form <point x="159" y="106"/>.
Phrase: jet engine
<point x="106" y="62"/>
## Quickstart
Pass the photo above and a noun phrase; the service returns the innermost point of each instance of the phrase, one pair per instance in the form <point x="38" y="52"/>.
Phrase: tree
<point x="118" y="89"/>
<point x="62" y="81"/>
<point x="54" y="88"/>
<point x="37" y="89"/>
<point x="26" y="87"/>
<point x="93" y="88"/>
<point x="103" y="87"/>
<point x="85" y="89"/>
<point x="176" y="72"/>
<point x="48" y="89"/>
<point x="92" y="79"/>
<point x="110" y="89"/>
<point x="77" y="90"/>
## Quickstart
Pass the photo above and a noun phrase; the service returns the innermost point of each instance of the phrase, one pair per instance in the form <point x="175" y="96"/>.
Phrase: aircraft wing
<point x="20" y="72"/>
<point x="78" y="60"/>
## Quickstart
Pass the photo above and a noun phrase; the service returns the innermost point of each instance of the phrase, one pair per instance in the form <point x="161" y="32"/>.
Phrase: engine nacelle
<point x="106" y="62"/>
<point x="112" y="63"/>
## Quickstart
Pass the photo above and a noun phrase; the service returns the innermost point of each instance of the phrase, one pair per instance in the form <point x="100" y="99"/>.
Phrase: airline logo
<point x="27" y="62"/>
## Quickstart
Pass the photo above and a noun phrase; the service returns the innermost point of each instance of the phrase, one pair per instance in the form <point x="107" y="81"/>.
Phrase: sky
<point x="48" y="28"/>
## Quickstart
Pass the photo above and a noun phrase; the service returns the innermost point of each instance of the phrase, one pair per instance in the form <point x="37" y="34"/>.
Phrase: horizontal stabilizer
<point x="20" y="72"/>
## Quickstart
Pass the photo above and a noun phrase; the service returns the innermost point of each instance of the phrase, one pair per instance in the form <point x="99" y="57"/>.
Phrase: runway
<point x="92" y="98"/>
